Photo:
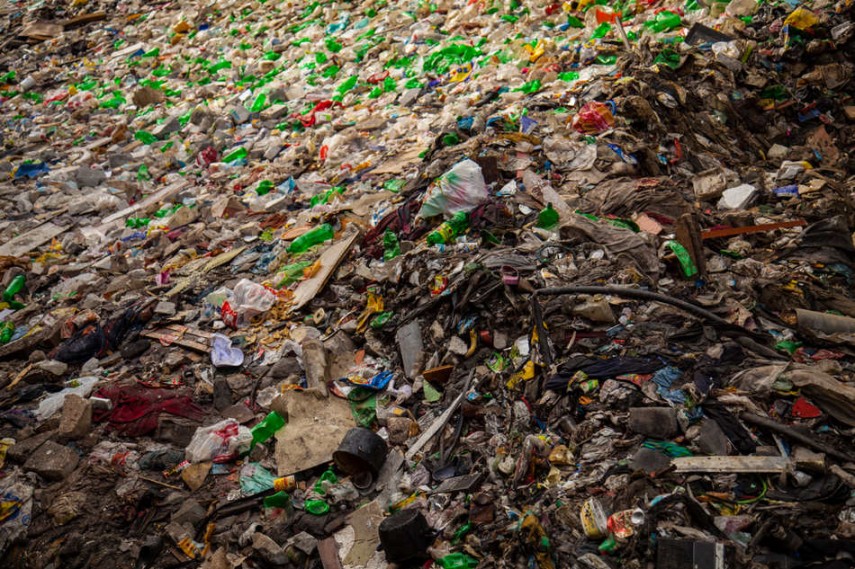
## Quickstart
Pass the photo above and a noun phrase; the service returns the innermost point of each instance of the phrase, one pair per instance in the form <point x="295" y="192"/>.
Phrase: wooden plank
<point x="732" y="464"/>
<point x="158" y="196"/>
<point x="328" y="551"/>
<point x="23" y="244"/>
<point x="731" y="231"/>
<point x="330" y="259"/>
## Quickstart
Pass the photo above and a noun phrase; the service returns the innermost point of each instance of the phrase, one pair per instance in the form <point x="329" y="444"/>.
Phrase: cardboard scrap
<point x="316" y="425"/>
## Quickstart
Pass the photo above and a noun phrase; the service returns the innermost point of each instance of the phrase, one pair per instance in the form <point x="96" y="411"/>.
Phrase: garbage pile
<point x="435" y="284"/>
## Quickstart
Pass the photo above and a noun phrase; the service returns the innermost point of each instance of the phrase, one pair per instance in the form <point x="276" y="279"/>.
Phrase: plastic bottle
<point x="267" y="427"/>
<point x="236" y="155"/>
<point x="457" y="561"/>
<point x="548" y="218"/>
<point x="317" y="235"/>
<point x="16" y="286"/>
<point x="450" y="229"/>
<point x="391" y="245"/>
<point x="664" y="22"/>
<point x="7" y="332"/>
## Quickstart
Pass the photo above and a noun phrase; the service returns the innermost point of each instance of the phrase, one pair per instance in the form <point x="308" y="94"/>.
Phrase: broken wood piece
<point x="26" y="242"/>
<point x="689" y="236"/>
<point x="83" y="19"/>
<point x="443" y="419"/>
<point x="731" y="231"/>
<point x="795" y="435"/>
<point x="732" y="464"/>
<point x="329" y="261"/>
<point x="328" y="551"/>
<point x="185" y="337"/>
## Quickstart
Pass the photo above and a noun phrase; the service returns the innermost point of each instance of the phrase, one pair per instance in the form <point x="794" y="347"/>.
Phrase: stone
<point x="239" y="114"/>
<point x="133" y="350"/>
<point x="737" y="198"/>
<point x="52" y="461"/>
<point x="656" y="422"/>
<point x="146" y="96"/>
<point x="165" y="308"/>
<point x="268" y="550"/>
<point x="399" y="429"/>
<point x="712" y="440"/>
<point x="166" y="128"/>
<point x="457" y="346"/>
<point x="76" y="417"/>
<point x="304" y="542"/>
<point x="53" y="367"/>
<point x="89" y="177"/>
<point x="239" y="412"/>
<point x="194" y="475"/>
<point x="650" y="461"/>
<point x="23" y="449"/>
<point x="190" y="512"/>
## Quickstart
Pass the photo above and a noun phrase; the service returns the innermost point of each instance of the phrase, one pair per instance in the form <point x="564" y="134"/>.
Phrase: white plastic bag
<point x="460" y="189"/>
<point x="81" y="386"/>
<point x="251" y="299"/>
<point x="226" y="438"/>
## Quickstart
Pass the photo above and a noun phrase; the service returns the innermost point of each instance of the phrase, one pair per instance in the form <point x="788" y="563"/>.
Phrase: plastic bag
<point x="460" y="189"/>
<point x="218" y="442"/>
<point x="594" y="118"/>
<point x="251" y="299"/>
<point x="81" y="386"/>
<point x="222" y="352"/>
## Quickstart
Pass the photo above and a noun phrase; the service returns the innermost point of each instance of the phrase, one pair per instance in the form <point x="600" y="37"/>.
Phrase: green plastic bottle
<point x="319" y="234"/>
<point x="236" y="155"/>
<point x="664" y="22"/>
<point x="16" y="286"/>
<point x="267" y="427"/>
<point x="548" y="218"/>
<point x="457" y="561"/>
<point x="391" y="245"/>
<point x="7" y="331"/>
<point x="145" y="137"/>
<point x="450" y="229"/>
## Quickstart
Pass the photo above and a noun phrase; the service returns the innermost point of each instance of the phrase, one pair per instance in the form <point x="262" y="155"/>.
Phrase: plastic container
<point x="405" y="535"/>
<point x="268" y="426"/>
<point x="323" y="232"/>
<point x="450" y="229"/>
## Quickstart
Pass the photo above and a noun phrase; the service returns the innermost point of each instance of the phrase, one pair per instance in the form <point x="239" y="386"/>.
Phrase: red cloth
<point x="136" y="409"/>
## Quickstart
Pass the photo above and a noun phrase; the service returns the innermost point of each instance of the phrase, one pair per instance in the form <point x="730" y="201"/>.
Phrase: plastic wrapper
<point x="219" y="442"/>
<point x="594" y="118"/>
<point x="223" y="354"/>
<point x="251" y="299"/>
<point x="16" y="506"/>
<point x="81" y="386"/>
<point x="460" y="189"/>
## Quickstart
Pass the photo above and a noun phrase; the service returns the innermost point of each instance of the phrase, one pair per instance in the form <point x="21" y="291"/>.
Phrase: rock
<point x="649" y="461"/>
<point x="146" y="96"/>
<point x="195" y="474"/>
<point x="304" y="542"/>
<point x="656" y="422"/>
<point x="76" y="417"/>
<point x="133" y="350"/>
<point x="52" y="461"/>
<point x="190" y="512"/>
<point x="165" y="308"/>
<point x="166" y="128"/>
<point x="457" y="346"/>
<point x="399" y="429"/>
<point x="52" y="366"/>
<point x="737" y="198"/>
<point x="268" y="550"/>
<point x="712" y="439"/>
<point x="239" y="114"/>
<point x="22" y="450"/>
<point x="89" y="177"/>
